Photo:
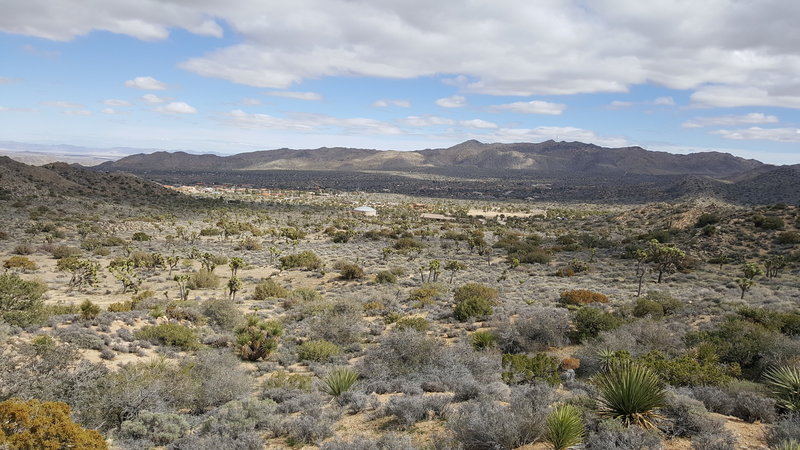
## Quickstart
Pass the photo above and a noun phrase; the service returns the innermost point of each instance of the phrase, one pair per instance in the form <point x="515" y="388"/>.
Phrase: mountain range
<point x="544" y="157"/>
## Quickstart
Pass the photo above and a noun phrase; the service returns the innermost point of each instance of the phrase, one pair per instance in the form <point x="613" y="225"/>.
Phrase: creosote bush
<point x="171" y="334"/>
<point x="269" y="288"/>
<point x="474" y="300"/>
<point x="307" y="260"/>
<point x="317" y="351"/>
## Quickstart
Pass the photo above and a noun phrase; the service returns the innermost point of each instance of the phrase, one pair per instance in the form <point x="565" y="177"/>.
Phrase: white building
<point x="365" y="211"/>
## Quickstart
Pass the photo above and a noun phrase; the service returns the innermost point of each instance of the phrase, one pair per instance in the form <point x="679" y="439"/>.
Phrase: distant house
<point x="365" y="211"/>
<point x="436" y="216"/>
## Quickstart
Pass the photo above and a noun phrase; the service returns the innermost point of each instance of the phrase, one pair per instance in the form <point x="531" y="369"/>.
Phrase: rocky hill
<point x="19" y="180"/>
<point x="544" y="157"/>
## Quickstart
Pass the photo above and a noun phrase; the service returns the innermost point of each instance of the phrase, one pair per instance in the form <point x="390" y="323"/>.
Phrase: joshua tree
<point x="749" y="271"/>
<point x="433" y="270"/>
<point x="774" y="264"/>
<point x="235" y="264"/>
<point x="665" y="258"/>
<point x="182" y="279"/>
<point x="234" y="285"/>
<point x="453" y="267"/>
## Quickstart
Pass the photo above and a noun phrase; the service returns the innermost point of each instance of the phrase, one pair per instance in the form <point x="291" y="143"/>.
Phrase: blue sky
<point x="250" y="75"/>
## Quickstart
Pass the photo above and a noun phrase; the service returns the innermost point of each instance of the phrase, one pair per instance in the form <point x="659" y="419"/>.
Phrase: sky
<point x="242" y="75"/>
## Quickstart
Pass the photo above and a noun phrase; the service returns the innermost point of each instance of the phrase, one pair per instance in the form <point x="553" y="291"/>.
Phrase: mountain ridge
<point x="547" y="156"/>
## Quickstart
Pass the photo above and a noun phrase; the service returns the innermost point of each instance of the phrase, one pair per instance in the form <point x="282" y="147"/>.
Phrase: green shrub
<point x="524" y="369"/>
<point x="788" y="238"/>
<point x="407" y="244"/>
<point x="426" y="294"/>
<point x="768" y="222"/>
<point x="306" y="259"/>
<point x="474" y="300"/>
<point x="203" y="279"/>
<point x="631" y="394"/>
<point x="285" y="380"/>
<point x="351" y="272"/>
<point x="482" y="340"/>
<point x="222" y="313"/>
<point x="305" y="294"/>
<point x="20" y="300"/>
<point x="339" y="381"/>
<point x="89" y="310"/>
<point x="646" y="307"/>
<point x="141" y="236"/>
<point x="564" y="427"/>
<point x="582" y="297"/>
<point x="706" y="219"/>
<point x="691" y="369"/>
<point x="590" y="322"/>
<point x="385" y="276"/>
<point x="317" y="350"/>
<point x="413" y="323"/>
<point x="171" y="334"/>
<point x="269" y="288"/>
<point x="63" y="251"/>
<point x="256" y="339"/>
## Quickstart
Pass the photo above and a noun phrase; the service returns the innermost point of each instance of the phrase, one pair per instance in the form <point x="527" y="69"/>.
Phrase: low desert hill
<point x="60" y="179"/>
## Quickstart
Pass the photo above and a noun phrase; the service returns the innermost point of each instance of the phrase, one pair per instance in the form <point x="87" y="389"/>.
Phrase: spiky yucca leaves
<point x="564" y="427"/>
<point x="257" y="338"/>
<point x="790" y="444"/>
<point x="784" y="384"/>
<point x="339" y="381"/>
<point x="630" y="393"/>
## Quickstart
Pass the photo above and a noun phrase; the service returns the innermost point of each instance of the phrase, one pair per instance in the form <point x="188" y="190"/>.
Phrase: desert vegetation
<point x="252" y="322"/>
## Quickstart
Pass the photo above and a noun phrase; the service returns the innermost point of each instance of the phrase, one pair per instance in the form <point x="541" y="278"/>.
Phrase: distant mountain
<point x="60" y="179"/>
<point x="544" y="157"/>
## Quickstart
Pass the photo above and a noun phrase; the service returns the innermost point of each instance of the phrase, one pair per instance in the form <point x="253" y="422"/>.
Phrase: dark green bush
<point x="768" y="222"/>
<point x="474" y="300"/>
<point x="203" y="279"/>
<point x="317" y="351"/>
<point x="415" y="323"/>
<point x="351" y="272"/>
<point x="171" y="334"/>
<point x="385" y="276"/>
<point x="590" y="322"/>
<point x="524" y="369"/>
<point x="20" y="300"/>
<point x="269" y="288"/>
<point x="582" y="297"/>
<point x="306" y="259"/>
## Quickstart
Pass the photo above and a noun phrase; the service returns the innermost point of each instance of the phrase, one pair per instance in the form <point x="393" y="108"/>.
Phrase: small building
<point x="365" y="211"/>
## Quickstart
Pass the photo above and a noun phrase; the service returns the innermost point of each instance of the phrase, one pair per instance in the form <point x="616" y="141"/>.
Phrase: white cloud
<point x="176" y="108"/>
<point x="555" y="133"/>
<point x="311" y="96"/>
<point x="734" y="96"/>
<point x="664" y="101"/>
<point x="761" y="134"/>
<point x="751" y="118"/>
<point x="108" y="111"/>
<point x="8" y="80"/>
<point x="477" y="123"/>
<point x="455" y="101"/>
<point x="311" y="122"/>
<point x="153" y="98"/>
<point x="116" y="102"/>
<point x="532" y="107"/>
<point x="427" y="121"/>
<point x="77" y="112"/>
<point x="62" y="104"/>
<point x="146" y="83"/>
<point x="251" y="101"/>
<point x="515" y="47"/>
<point x="384" y="103"/>
<point x="619" y="104"/>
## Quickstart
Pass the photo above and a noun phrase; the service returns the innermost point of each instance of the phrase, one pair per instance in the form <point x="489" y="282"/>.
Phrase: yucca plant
<point x="784" y="384"/>
<point x="564" y="427"/>
<point x="630" y="393"/>
<point x="339" y="381"/>
<point x="482" y="340"/>
<point x="789" y="444"/>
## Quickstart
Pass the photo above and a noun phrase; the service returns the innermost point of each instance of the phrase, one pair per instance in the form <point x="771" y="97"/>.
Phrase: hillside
<point x="21" y="180"/>
<point x="544" y="157"/>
